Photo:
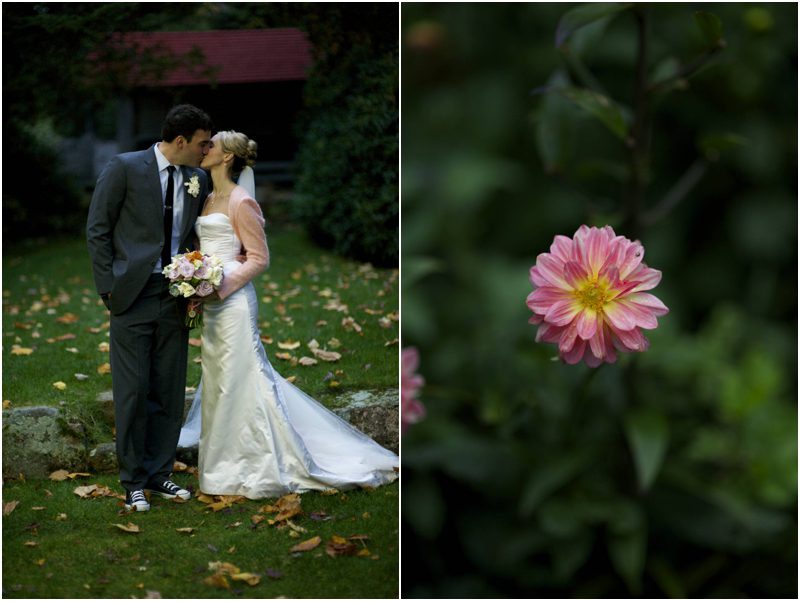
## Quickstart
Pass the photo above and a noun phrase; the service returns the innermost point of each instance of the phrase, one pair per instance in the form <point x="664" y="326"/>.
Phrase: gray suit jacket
<point x="125" y="228"/>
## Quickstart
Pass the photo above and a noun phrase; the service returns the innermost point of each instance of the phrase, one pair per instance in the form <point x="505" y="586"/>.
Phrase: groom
<point x="142" y="213"/>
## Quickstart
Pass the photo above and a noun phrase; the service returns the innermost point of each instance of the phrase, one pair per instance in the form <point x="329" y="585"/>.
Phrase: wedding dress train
<point x="259" y="435"/>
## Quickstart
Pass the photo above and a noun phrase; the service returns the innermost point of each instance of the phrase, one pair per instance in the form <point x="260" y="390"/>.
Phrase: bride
<point x="259" y="435"/>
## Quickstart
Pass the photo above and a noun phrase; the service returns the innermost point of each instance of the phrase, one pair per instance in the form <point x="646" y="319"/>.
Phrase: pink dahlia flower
<point x="411" y="410"/>
<point x="590" y="297"/>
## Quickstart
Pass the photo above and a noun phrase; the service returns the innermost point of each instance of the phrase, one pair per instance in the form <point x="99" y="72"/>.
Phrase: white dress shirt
<point x="177" y="204"/>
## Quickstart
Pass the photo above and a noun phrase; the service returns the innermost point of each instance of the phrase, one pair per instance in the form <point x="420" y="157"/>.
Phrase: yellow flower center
<point x="593" y="294"/>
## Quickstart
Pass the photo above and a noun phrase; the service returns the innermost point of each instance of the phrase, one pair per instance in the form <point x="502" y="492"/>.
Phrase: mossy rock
<point x="38" y="441"/>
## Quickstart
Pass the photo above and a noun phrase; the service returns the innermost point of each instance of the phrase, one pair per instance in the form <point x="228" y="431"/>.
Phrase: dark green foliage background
<point x="347" y="190"/>
<point x="671" y="473"/>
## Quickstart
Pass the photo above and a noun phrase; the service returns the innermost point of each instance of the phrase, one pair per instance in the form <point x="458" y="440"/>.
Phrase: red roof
<point x="234" y="56"/>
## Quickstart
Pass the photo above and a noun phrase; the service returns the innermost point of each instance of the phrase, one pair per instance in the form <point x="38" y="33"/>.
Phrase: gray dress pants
<point x="149" y="349"/>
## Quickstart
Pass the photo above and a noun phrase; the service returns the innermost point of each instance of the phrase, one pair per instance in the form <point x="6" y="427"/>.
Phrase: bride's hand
<point x="211" y="297"/>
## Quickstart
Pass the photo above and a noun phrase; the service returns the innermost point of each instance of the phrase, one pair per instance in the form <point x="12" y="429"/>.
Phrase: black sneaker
<point x="169" y="490"/>
<point x="136" y="501"/>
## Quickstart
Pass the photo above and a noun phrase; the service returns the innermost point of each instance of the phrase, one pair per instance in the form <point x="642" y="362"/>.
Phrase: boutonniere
<point x="193" y="186"/>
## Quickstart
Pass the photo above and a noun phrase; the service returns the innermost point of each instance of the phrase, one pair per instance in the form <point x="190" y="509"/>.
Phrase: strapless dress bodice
<point x="217" y="237"/>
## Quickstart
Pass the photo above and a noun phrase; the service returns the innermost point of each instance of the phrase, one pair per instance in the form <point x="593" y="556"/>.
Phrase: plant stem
<point x="686" y="71"/>
<point x="637" y="142"/>
<point x="677" y="193"/>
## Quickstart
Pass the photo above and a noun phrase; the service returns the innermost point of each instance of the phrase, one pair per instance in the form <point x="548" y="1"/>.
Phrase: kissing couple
<point x="260" y="436"/>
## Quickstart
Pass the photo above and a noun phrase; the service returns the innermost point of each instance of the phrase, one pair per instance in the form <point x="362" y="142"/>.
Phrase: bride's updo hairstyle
<point x="243" y="148"/>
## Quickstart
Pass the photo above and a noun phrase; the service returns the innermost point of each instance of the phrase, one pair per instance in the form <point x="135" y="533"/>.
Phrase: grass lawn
<point x="58" y="545"/>
<point x="55" y="350"/>
<point x="54" y="325"/>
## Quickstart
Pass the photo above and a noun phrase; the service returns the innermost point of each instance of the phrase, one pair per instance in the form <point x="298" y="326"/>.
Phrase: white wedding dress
<point x="259" y="435"/>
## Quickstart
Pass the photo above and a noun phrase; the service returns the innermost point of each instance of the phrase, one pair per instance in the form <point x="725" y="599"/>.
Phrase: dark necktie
<point x="166" y="251"/>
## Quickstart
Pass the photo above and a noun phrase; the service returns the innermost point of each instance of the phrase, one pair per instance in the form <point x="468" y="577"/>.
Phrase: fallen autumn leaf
<point x="251" y="579"/>
<point x="308" y="545"/>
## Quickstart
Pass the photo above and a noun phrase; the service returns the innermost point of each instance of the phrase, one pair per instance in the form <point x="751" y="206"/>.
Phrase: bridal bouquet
<point x="193" y="275"/>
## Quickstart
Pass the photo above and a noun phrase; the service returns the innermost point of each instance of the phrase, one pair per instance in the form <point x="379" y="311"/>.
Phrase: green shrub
<point x="348" y="182"/>
<point x="39" y="200"/>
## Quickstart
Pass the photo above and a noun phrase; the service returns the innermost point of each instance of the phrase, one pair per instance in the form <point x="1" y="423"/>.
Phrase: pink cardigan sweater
<point x="248" y="225"/>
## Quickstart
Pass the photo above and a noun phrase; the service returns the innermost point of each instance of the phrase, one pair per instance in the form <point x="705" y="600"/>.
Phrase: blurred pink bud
<point x="411" y="410"/>
<point x="589" y="296"/>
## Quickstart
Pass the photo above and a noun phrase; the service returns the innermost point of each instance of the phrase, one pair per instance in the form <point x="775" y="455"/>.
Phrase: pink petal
<point x="410" y="360"/>
<point x="579" y="245"/>
<point x="611" y="273"/>
<point x="586" y="323"/>
<point x="630" y="261"/>
<point x="649" y="302"/>
<point x="536" y="278"/>
<point x="630" y="340"/>
<point x="590" y="359"/>
<point x="621" y="289"/>
<point x="581" y="233"/>
<point x="619" y="316"/>
<point x="568" y="338"/>
<point x="536" y="319"/>
<point x="596" y="249"/>
<point x="598" y="343"/>
<point x="549" y="333"/>
<point x="645" y="278"/>
<point x="616" y="249"/>
<point x="562" y="312"/>
<point x="552" y="270"/>
<point x="575" y="354"/>
<point x="541" y="299"/>
<point x="574" y="274"/>
<point x="561" y="248"/>
<point x="643" y="316"/>
<point x="611" y="354"/>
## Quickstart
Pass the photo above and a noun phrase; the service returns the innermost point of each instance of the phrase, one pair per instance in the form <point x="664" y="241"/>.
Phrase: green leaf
<point x="417" y="267"/>
<point x="627" y="541"/>
<point x="554" y="126"/>
<point x="561" y="518"/>
<point x="427" y="514"/>
<point x="665" y="70"/>
<point x="628" y="552"/>
<point x="648" y="433"/>
<point x="612" y="115"/>
<point x="546" y="480"/>
<point x="583" y="15"/>
<point x="711" y="27"/>
<point x="713" y="145"/>
<point x="570" y="554"/>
